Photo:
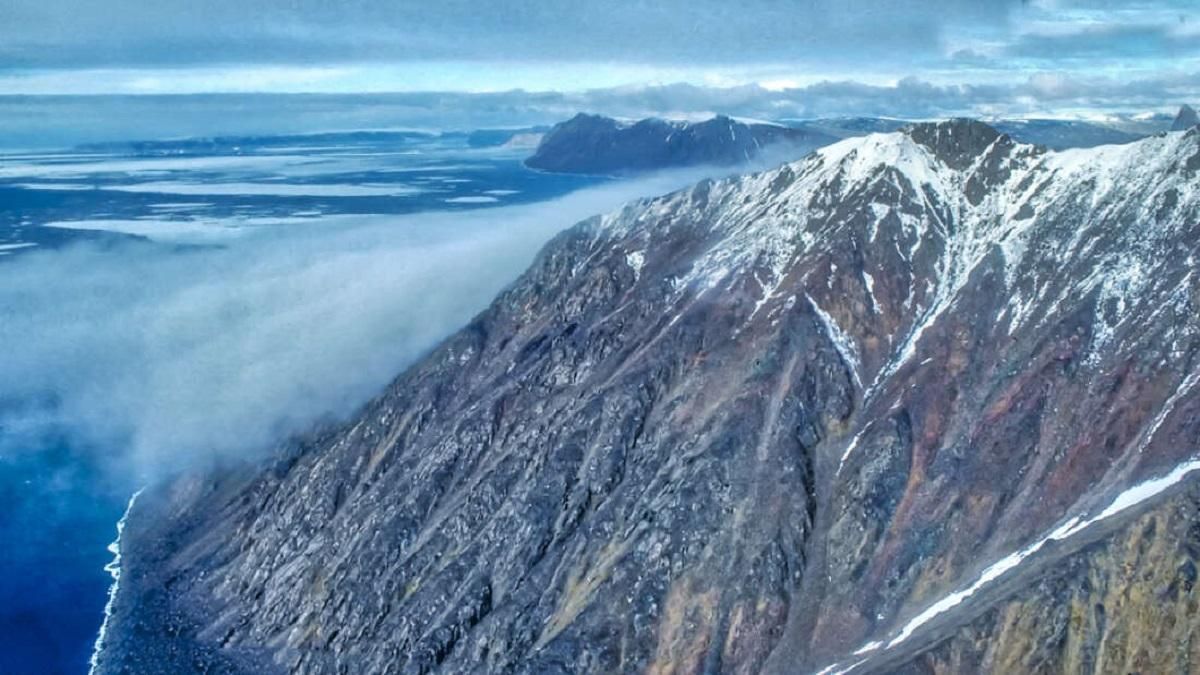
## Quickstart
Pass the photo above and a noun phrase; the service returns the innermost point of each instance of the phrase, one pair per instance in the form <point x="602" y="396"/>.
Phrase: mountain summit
<point x="921" y="402"/>
<point x="1186" y="119"/>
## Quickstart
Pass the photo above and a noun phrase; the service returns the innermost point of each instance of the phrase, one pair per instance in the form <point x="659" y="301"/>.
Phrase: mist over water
<point x="162" y="357"/>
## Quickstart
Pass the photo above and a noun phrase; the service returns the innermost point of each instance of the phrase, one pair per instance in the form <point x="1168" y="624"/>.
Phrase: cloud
<point x="1106" y="41"/>
<point x="161" y="359"/>
<point x="357" y="46"/>
<point x="56" y="33"/>
<point x="909" y="97"/>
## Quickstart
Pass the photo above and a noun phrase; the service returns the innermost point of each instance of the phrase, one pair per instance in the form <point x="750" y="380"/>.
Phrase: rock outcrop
<point x="1186" y="119"/>
<point x="922" y="401"/>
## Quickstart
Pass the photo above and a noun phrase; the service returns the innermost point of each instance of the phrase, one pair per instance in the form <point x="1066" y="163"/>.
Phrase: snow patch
<point x="869" y="282"/>
<point x="636" y="261"/>
<point x="841" y="341"/>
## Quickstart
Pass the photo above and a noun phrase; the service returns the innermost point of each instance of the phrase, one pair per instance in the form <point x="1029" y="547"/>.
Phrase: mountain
<point x="1064" y="134"/>
<point x="594" y="144"/>
<point x="920" y="402"/>
<point x="847" y="127"/>
<point x="1140" y="124"/>
<point x="1186" y="119"/>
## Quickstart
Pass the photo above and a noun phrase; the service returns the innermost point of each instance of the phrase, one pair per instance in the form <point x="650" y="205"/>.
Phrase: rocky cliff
<point x="594" y="144"/>
<point x="1186" y="119"/>
<point x="921" y="402"/>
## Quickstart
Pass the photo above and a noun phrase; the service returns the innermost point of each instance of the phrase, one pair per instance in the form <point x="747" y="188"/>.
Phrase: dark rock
<point x="1186" y="119"/>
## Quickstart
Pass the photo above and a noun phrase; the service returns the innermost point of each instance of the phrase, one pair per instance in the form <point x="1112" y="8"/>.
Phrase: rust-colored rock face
<point x="920" y="402"/>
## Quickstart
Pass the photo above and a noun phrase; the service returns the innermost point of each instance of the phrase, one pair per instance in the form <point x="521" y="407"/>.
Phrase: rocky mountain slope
<point x="594" y="144"/>
<point x="920" y="402"/>
<point x="1186" y="119"/>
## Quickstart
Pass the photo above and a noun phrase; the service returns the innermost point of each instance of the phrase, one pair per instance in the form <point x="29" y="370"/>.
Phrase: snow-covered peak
<point x="929" y="204"/>
<point x="858" y="159"/>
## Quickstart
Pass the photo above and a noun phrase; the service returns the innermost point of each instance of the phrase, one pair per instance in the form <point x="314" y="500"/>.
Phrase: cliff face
<point x="600" y="145"/>
<point x="850" y="415"/>
<point x="1186" y="119"/>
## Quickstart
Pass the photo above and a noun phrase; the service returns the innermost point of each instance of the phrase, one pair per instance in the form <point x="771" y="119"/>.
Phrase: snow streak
<point x="1124" y="501"/>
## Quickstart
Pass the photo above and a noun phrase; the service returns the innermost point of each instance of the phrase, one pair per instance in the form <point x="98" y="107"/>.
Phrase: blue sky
<point x="973" y="54"/>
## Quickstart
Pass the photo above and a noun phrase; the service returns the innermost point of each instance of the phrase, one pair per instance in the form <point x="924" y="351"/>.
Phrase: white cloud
<point x="164" y="358"/>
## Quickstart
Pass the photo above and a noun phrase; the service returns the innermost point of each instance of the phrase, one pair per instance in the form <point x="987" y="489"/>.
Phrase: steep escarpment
<point x="833" y="417"/>
<point x="601" y="145"/>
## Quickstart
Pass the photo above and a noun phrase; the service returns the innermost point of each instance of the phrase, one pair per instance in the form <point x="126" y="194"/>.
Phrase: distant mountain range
<point x="602" y="145"/>
<point x="1055" y="134"/>
<point x="1064" y="134"/>
<point x="236" y="145"/>
<point x="595" y="144"/>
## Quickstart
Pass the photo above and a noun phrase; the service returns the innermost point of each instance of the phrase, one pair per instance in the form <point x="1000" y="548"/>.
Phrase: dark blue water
<point x="58" y="509"/>
<point x="58" y="517"/>
<point x="48" y="199"/>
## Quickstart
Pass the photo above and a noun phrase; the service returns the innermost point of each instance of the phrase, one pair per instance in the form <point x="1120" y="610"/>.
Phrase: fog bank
<point x="163" y="358"/>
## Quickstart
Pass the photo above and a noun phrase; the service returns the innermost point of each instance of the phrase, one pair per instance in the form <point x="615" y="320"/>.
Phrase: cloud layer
<point x="172" y="32"/>
<point x="161" y="359"/>
<point x="173" y="46"/>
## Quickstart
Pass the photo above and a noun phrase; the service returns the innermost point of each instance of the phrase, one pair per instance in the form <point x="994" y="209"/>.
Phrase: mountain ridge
<point x="594" y="144"/>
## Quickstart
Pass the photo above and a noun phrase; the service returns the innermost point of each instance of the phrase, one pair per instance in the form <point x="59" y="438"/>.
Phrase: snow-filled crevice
<point x="842" y="342"/>
<point x="1128" y="499"/>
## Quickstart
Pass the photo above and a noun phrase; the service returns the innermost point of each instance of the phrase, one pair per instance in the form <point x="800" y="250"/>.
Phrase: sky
<point x="959" y="55"/>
